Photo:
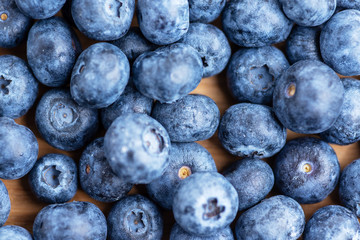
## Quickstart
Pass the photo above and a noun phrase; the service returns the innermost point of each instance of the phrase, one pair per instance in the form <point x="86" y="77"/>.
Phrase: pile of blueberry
<point x="135" y="84"/>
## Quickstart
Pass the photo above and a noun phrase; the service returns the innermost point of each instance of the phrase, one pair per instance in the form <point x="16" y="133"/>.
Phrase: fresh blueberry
<point x="96" y="176"/>
<point x="248" y="129"/>
<point x="212" y="45"/>
<point x="205" y="11"/>
<point x="308" y="97"/>
<point x="18" y="87"/>
<point x="184" y="159"/>
<point x="19" y="149"/>
<point x="62" y="122"/>
<point x="191" y="118"/>
<point x="137" y="148"/>
<point x="53" y="179"/>
<point x="135" y="217"/>
<point x="252" y="178"/>
<point x="4" y="203"/>
<point x="177" y="233"/>
<point x="52" y="48"/>
<point x="40" y="9"/>
<point x="72" y="221"/>
<point x="252" y="72"/>
<point x="168" y="73"/>
<point x="103" y="20"/>
<point x="349" y="4"/>
<point x="66" y="12"/>
<point x="205" y="203"/>
<point x="100" y="75"/>
<point x="278" y="217"/>
<point x="12" y="232"/>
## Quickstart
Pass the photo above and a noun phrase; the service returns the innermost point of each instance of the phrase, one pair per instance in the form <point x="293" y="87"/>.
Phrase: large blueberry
<point x="14" y="233"/>
<point x="177" y="233"/>
<point x="351" y="4"/>
<point x="40" y="9"/>
<point x="252" y="72"/>
<point x="308" y="97"/>
<point x="205" y="11"/>
<point x="185" y="159"/>
<point x="4" y="203"/>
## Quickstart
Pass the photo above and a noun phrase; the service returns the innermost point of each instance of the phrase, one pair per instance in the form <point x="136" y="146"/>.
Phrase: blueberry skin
<point x="40" y="9"/>
<point x="332" y="222"/>
<point x="257" y="23"/>
<point x="19" y="149"/>
<point x="351" y="4"/>
<point x="14" y="233"/>
<point x="248" y="129"/>
<point x="252" y="178"/>
<point x="163" y="21"/>
<point x="308" y="97"/>
<point x="340" y="43"/>
<point x="72" y="221"/>
<point x="212" y="45"/>
<point x="278" y="217"/>
<point x="184" y="159"/>
<point x="96" y="176"/>
<point x="103" y="20"/>
<point x="4" y="203"/>
<point x="135" y="217"/>
<point x="205" y="11"/>
<point x="15" y="27"/>
<point x="205" y="203"/>
<point x="137" y="148"/>
<point x="100" y="75"/>
<point x="252" y="72"/>
<point x="53" y="179"/>
<point x="177" y="233"/>
<point x="307" y="170"/>
<point x="63" y="123"/>
<point x="18" y="87"/>
<point x="194" y="117"/>
<point x="168" y="73"/>
<point x="52" y="48"/>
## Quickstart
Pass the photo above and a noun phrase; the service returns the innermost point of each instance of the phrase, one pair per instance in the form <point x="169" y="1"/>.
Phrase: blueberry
<point x="135" y="217"/>
<point x="14" y="233"/>
<point x="66" y="12"/>
<point x="177" y="233"/>
<point x="278" y="217"/>
<point x="252" y="72"/>
<point x="205" y="11"/>
<point x="168" y="73"/>
<point x="103" y="20"/>
<point x="184" y="159"/>
<point x="18" y="87"/>
<point x="307" y="170"/>
<point x="73" y="221"/>
<point x="205" y="203"/>
<point x="52" y="48"/>
<point x="100" y="75"/>
<point x="351" y="4"/>
<point x="248" y="129"/>
<point x="96" y="176"/>
<point x="212" y="45"/>
<point x="19" y="149"/>
<point x="40" y="9"/>
<point x="308" y="97"/>
<point x="191" y="118"/>
<point x="62" y="122"/>
<point x="137" y="147"/>
<point x="4" y="203"/>
<point x="252" y="178"/>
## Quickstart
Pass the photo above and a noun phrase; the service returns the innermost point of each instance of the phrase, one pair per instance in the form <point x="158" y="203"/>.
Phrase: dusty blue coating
<point x="4" y="203"/>
<point x="100" y="75"/>
<point x="54" y="178"/>
<point x="96" y="177"/>
<point x="212" y="45"/>
<point x="14" y="29"/>
<point x="194" y="117"/>
<point x="351" y="4"/>
<point x="177" y="233"/>
<point x="308" y="97"/>
<point x="103" y="20"/>
<point x="307" y="170"/>
<point x="340" y="43"/>
<point x="191" y="157"/>
<point x="332" y="222"/>
<point x="248" y="129"/>
<point x="14" y="233"/>
<point x="205" y="203"/>
<point x="40" y="9"/>
<point x="163" y="21"/>
<point x="255" y="23"/>
<point x="205" y="11"/>
<point x="137" y="148"/>
<point x="278" y="217"/>
<point x="168" y="73"/>
<point x="19" y="149"/>
<point x="252" y="178"/>
<point x="135" y="217"/>
<point x="52" y="48"/>
<point x="72" y="221"/>
<point x="252" y="73"/>
<point x="62" y="122"/>
<point x="18" y="87"/>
